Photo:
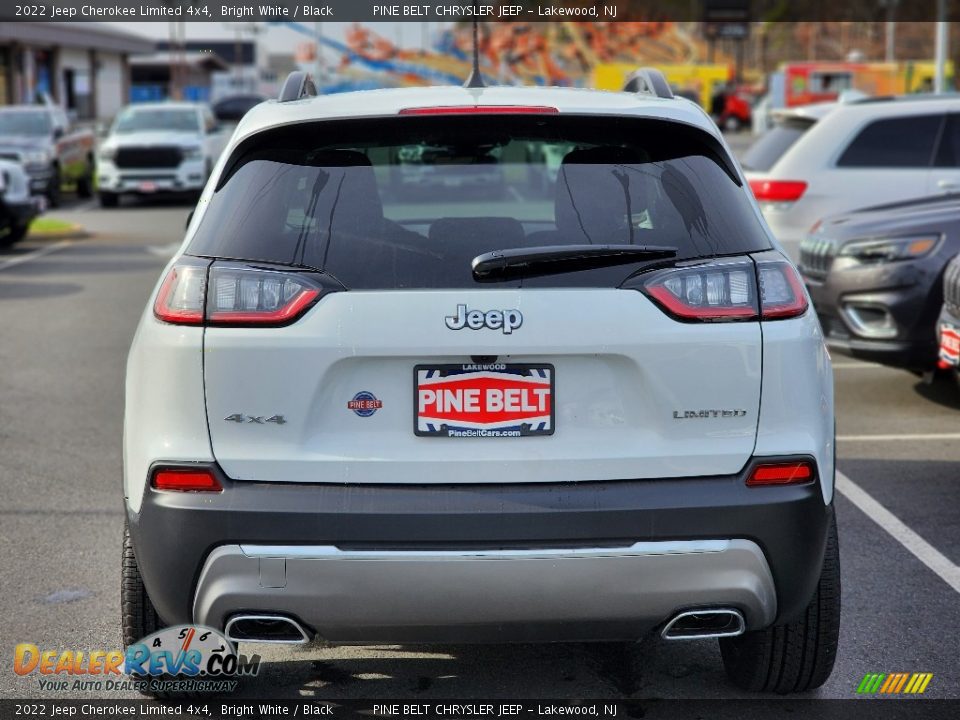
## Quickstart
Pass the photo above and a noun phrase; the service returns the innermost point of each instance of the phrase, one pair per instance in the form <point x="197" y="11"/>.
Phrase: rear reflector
<point x="183" y="480"/>
<point x="781" y="474"/>
<point x="777" y="190"/>
<point x="481" y="110"/>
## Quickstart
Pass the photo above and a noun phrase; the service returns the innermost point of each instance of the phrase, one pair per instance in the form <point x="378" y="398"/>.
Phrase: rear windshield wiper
<point x="553" y="259"/>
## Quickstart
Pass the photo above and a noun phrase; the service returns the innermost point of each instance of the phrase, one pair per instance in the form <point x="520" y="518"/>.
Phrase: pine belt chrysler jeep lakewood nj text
<point x="375" y="401"/>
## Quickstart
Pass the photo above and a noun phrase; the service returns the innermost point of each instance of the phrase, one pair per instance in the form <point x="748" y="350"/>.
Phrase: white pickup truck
<point x="158" y="148"/>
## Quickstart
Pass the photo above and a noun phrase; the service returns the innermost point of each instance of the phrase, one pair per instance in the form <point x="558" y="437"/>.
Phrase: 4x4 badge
<point x="255" y="419"/>
<point x="504" y="320"/>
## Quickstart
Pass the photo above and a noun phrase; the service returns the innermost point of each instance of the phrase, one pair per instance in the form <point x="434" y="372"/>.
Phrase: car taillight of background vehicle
<point x="728" y="291"/>
<point x="193" y="295"/>
<point x="777" y="193"/>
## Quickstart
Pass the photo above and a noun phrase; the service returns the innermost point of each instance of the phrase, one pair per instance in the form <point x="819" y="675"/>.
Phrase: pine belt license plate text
<point x="483" y="401"/>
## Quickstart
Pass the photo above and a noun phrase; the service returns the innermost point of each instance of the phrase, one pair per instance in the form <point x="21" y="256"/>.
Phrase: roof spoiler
<point x="649" y="81"/>
<point x="298" y="85"/>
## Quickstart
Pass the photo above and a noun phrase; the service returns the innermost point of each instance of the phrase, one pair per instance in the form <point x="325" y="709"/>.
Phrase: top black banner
<point x="294" y="11"/>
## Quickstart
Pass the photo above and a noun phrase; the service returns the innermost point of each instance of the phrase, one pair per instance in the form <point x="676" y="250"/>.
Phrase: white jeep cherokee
<point x="580" y="405"/>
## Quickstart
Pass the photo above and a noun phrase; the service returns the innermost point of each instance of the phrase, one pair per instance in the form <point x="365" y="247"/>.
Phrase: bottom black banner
<point x="874" y="709"/>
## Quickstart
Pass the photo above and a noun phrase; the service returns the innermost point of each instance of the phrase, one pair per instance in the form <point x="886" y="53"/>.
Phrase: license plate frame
<point x="532" y="378"/>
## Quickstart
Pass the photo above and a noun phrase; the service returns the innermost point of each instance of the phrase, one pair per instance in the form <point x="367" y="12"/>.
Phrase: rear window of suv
<point x="408" y="202"/>
<point x="773" y="144"/>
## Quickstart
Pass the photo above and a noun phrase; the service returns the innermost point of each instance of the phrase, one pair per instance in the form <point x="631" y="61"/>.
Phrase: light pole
<point x="939" y="78"/>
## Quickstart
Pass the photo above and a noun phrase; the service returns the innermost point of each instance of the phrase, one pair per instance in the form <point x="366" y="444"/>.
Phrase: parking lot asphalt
<point x="67" y="315"/>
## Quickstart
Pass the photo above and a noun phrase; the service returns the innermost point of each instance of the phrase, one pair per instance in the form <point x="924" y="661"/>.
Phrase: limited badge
<point x="364" y="404"/>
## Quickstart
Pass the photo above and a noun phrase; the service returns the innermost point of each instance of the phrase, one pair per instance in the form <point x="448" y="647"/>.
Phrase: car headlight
<point x="36" y="157"/>
<point x="192" y="153"/>
<point x="107" y="153"/>
<point x="890" y="249"/>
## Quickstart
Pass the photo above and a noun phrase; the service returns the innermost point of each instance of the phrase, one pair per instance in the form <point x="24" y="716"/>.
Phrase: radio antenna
<point x="476" y="79"/>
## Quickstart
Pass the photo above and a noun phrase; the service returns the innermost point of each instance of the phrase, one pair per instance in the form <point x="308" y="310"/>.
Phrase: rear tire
<point x="139" y="617"/>
<point x="797" y="656"/>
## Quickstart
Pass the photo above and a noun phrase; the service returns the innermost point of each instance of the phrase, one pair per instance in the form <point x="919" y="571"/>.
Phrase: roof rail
<point x="650" y="81"/>
<point x="299" y="84"/>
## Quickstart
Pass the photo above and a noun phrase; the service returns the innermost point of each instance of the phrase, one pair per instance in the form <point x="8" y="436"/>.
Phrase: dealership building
<point x="84" y="67"/>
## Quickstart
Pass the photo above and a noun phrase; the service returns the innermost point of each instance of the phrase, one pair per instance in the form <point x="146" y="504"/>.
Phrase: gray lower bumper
<point x="372" y="596"/>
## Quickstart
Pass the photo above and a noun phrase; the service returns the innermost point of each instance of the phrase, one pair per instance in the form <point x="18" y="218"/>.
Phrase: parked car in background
<point x="158" y="148"/>
<point x="737" y="110"/>
<point x="17" y="206"/>
<point x="51" y="150"/>
<point x="789" y="125"/>
<point x="865" y="152"/>
<point x="948" y="324"/>
<point x="876" y="278"/>
<point x="232" y="108"/>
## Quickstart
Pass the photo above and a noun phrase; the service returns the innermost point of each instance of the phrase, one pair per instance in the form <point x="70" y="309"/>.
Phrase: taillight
<point x="781" y="473"/>
<point x="728" y="291"/>
<point x="712" y="292"/>
<point x="242" y="296"/>
<point x="230" y="295"/>
<point x="778" y="191"/>
<point x="186" y="480"/>
<point x="181" y="296"/>
<point x="781" y="292"/>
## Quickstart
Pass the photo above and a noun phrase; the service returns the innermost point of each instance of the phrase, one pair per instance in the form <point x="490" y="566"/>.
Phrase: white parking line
<point x="35" y="254"/>
<point x="920" y="548"/>
<point x="887" y="438"/>
<point x="859" y="366"/>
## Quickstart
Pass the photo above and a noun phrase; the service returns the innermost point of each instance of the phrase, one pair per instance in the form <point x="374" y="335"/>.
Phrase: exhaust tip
<point x="266" y="629"/>
<point x="705" y="623"/>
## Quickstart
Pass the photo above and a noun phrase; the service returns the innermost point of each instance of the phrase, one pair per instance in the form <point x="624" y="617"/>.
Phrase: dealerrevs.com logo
<point x="183" y="658"/>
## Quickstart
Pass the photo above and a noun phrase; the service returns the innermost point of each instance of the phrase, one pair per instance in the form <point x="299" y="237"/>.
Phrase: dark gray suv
<point x="948" y="326"/>
<point x="875" y="277"/>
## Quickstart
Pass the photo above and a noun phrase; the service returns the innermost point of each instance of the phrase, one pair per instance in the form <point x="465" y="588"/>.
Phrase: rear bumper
<point x="565" y="562"/>
<point x="371" y="596"/>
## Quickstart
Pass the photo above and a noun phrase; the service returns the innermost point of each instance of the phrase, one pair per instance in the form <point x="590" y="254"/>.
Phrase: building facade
<point x="83" y="67"/>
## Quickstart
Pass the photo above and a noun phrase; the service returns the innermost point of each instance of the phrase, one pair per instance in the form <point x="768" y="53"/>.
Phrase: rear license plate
<point x="483" y="401"/>
<point x="949" y="345"/>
